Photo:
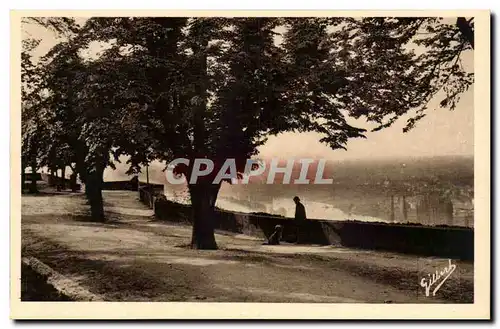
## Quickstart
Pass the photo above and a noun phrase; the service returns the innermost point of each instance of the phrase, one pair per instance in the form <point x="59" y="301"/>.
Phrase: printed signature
<point x="433" y="278"/>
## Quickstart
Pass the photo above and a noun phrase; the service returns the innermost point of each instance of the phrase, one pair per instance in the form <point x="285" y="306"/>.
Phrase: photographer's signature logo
<point x="440" y="276"/>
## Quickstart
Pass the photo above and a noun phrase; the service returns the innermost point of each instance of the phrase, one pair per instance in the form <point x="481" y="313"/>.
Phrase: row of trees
<point x="172" y="87"/>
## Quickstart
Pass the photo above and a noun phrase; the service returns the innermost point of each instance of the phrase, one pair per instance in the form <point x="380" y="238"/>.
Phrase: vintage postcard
<point x="250" y="165"/>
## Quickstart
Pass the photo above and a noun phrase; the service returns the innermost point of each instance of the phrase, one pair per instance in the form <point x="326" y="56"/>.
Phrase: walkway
<point x="132" y="257"/>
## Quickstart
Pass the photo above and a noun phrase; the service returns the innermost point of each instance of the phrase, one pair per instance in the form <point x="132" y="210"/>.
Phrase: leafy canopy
<point x="217" y="87"/>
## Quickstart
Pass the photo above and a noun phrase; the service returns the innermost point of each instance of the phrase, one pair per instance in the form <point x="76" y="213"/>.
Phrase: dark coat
<point x="300" y="212"/>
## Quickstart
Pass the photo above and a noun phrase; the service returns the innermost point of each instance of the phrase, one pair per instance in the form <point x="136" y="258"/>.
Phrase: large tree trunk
<point x="203" y="197"/>
<point x="72" y="178"/>
<point x="63" y="178"/>
<point x="72" y="181"/>
<point x="52" y="177"/>
<point x="93" y="191"/>
<point x="58" y="180"/>
<point x="81" y="171"/>
<point x="203" y="193"/>
<point x="33" y="188"/>
<point x="23" y="178"/>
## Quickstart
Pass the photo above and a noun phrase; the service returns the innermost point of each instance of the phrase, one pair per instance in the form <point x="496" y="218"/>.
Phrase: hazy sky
<point x="441" y="132"/>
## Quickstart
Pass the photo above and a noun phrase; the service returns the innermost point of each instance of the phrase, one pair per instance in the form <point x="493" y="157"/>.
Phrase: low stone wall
<point x="120" y="185"/>
<point x="146" y="197"/>
<point x="54" y="181"/>
<point x="453" y="242"/>
<point x="47" y="178"/>
<point x="129" y="185"/>
<point x="149" y="195"/>
<point x="29" y="176"/>
<point x="42" y="283"/>
<point x="34" y="287"/>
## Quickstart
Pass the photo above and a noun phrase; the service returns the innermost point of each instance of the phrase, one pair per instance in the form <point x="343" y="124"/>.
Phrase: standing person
<point x="300" y="219"/>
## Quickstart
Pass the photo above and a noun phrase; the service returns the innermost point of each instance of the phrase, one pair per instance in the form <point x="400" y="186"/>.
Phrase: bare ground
<point x="132" y="257"/>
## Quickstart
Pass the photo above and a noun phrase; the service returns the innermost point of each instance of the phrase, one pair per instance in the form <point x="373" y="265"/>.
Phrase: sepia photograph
<point x="319" y="160"/>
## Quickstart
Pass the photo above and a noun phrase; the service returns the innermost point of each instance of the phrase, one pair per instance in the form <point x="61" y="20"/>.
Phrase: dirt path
<point x="134" y="258"/>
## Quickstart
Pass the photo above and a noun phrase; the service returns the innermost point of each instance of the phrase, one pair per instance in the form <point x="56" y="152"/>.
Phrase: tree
<point x="215" y="88"/>
<point x="73" y="119"/>
<point x="401" y="64"/>
<point x="89" y="108"/>
<point x="60" y="26"/>
<point x="33" y="116"/>
<point x="29" y="139"/>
